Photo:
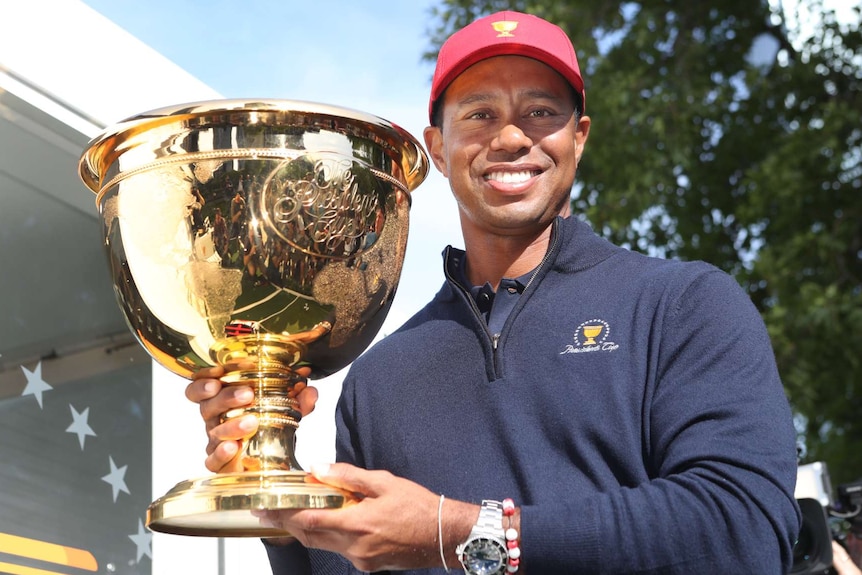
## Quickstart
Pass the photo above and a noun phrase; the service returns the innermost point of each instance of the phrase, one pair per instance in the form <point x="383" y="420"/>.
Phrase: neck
<point x="491" y="258"/>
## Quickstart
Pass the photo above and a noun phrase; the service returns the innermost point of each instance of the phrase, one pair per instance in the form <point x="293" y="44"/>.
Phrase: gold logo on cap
<point x="505" y="28"/>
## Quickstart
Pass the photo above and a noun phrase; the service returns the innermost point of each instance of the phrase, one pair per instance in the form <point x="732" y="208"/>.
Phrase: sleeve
<point x="285" y="559"/>
<point x="720" y="451"/>
<point x="294" y="559"/>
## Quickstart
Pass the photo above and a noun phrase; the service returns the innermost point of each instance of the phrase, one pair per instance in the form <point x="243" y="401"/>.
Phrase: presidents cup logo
<point x="505" y="28"/>
<point x="327" y="206"/>
<point x="591" y="336"/>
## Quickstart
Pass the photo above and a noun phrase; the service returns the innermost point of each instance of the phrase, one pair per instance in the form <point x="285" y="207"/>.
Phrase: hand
<point x="393" y="526"/>
<point x="215" y="399"/>
<point x="841" y="561"/>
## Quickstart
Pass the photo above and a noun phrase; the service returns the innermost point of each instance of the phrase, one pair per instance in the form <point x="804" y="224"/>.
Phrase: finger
<point x="215" y="371"/>
<point x="201" y="389"/>
<point x="230" y="397"/>
<point x="349" y="477"/>
<point x="307" y="399"/>
<point x="225" y="457"/>
<point x="234" y="429"/>
<point x="272" y="519"/>
<point x="842" y="563"/>
<point x="296" y="388"/>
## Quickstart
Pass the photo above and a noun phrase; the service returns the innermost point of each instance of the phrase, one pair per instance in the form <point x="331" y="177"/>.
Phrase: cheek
<point x="460" y="144"/>
<point x="463" y="155"/>
<point x="565" y="153"/>
<point x="454" y="163"/>
<point x="562" y="142"/>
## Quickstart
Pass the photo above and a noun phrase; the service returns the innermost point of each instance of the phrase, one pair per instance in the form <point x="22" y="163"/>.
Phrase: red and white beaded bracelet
<point x="511" y="538"/>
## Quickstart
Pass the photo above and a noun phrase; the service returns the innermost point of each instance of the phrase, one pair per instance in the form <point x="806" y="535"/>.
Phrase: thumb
<point x="347" y="477"/>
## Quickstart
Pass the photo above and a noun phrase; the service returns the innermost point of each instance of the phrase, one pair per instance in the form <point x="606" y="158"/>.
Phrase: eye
<point x="540" y="113"/>
<point x="479" y="115"/>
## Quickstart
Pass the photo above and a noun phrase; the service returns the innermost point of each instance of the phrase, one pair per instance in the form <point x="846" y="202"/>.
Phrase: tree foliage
<point x="732" y="132"/>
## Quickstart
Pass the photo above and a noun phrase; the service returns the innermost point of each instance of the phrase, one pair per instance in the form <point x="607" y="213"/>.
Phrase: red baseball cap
<point x="505" y="33"/>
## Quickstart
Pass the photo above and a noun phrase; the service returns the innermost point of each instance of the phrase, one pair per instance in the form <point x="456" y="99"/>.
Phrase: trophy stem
<point x="272" y="447"/>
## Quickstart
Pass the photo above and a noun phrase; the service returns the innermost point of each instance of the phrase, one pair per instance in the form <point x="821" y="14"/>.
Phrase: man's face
<point x="509" y="145"/>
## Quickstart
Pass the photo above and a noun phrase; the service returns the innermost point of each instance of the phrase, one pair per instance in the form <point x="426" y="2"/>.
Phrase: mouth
<point x="511" y="177"/>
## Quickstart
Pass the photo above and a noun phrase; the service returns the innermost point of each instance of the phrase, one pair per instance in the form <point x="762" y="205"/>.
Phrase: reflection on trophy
<point x="265" y="237"/>
<point x="591" y="332"/>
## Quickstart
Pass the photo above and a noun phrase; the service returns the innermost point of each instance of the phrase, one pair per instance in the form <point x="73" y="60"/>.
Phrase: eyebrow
<point x="476" y="98"/>
<point x="532" y="93"/>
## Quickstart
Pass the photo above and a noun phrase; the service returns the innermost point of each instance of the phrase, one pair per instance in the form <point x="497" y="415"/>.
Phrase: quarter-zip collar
<point x="574" y="246"/>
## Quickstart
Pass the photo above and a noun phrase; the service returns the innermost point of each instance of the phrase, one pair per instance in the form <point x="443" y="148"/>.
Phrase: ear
<point x="582" y="132"/>
<point x="434" y="145"/>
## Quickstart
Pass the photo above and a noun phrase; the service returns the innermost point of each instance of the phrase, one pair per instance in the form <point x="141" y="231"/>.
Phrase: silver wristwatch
<point x="485" y="551"/>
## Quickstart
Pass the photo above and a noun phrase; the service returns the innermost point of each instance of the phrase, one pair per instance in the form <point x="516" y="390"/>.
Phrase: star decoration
<point x="111" y="534"/>
<point x="80" y="425"/>
<point x="142" y="539"/>
<point x="116" y="478"/>
<point x="35" y="384"/>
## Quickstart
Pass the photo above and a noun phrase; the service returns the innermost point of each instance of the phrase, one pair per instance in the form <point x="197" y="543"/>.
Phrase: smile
<point x="511" y="177"/>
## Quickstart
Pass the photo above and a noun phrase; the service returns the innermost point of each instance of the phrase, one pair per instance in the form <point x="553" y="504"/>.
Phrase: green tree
<point x="732" y="132"/>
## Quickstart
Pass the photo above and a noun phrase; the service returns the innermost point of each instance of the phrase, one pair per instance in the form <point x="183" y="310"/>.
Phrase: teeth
<point x="510" y="177"/>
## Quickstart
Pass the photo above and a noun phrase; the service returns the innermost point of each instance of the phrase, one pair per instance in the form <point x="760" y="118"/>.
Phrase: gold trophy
<point x="591" y="332"/>
<point x="264" y="236"/>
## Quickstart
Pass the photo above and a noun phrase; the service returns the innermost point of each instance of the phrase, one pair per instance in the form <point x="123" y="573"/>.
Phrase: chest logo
<point x="591" y="336"/>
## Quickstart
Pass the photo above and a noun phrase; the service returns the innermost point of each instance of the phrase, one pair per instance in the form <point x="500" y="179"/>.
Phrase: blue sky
<point x="365" y="55"/>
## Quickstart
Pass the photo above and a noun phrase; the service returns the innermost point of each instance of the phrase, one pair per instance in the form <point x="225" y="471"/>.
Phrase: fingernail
<point x="248" y="423"/>
<point x="320" y="469"/>
<point x="244" y="394"/>
<point x="211" y="387"/>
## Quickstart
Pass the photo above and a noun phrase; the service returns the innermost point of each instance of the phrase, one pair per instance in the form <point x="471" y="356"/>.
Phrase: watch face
<point x="485" y="557"/>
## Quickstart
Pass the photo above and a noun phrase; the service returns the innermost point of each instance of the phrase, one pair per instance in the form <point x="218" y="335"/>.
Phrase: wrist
<point x="493" y="545"/>
<point x="456" y="519"/>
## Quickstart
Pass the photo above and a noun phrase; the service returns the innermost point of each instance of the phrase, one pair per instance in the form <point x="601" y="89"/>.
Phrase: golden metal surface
<point x="264" y="236"/>
<point x="223" y="505"/>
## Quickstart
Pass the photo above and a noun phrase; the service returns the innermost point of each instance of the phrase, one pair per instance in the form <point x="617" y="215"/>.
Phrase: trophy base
<point x="223" y="505"/>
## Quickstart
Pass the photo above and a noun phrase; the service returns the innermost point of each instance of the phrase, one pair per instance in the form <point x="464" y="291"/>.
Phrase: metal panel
<point x="75" y="387"/>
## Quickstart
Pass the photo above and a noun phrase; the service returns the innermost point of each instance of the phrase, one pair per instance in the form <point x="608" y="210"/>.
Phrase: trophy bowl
<point x="263" y="236"/>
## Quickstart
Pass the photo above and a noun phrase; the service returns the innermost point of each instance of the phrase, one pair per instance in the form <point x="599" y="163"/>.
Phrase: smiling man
<point x="508" y="136"/>
<point x="562" y="405"/>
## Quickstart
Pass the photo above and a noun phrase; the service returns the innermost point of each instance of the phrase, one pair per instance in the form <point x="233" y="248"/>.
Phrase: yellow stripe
<point x="51" y="552"/>
<point x="18" y="570"/>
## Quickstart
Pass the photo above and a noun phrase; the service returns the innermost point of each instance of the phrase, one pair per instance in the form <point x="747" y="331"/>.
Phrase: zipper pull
<point x="494" y="340"/>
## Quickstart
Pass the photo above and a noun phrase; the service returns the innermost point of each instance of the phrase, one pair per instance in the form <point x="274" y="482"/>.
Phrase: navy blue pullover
<point x="630" y="406"/>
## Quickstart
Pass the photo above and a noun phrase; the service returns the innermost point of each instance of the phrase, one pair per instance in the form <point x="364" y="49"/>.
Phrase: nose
<point x="511" y="138"/>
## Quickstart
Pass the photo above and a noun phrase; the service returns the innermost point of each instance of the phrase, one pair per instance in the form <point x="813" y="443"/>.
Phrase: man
<point x="629" y="406"/>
